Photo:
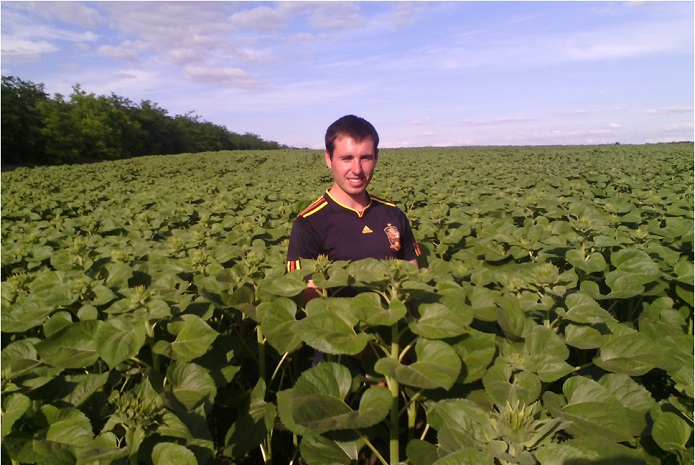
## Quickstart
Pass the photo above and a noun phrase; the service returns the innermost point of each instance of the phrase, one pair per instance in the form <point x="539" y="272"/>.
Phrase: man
<point x="348" y="223"/>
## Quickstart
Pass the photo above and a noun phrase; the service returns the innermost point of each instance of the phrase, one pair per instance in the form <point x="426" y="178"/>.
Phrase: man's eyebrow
<point x="349" y="155"/>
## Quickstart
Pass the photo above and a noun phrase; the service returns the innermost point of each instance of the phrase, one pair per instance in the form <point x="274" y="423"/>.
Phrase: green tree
<point x="159" y="135"/>
<point x="102" y="125"/>
<point x="87" y="127"/>
<point x="21" y="121"/>
<point x="58" y="131"/>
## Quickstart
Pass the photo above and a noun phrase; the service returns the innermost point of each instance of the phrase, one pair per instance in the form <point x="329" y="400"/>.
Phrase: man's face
<point x="352" y="166"/>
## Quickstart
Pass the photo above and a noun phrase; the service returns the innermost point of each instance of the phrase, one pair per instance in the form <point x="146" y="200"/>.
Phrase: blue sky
<point x="424" y="73"/>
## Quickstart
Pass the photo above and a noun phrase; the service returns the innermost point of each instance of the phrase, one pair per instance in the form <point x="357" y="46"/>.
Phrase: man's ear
<point x="329" y="162"/>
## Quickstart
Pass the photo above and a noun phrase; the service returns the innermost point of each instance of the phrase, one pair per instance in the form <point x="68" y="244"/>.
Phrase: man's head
<point x="354" y="127"/>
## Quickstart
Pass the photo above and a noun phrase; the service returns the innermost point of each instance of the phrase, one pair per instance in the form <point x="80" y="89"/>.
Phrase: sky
<point x="447" y="73"/>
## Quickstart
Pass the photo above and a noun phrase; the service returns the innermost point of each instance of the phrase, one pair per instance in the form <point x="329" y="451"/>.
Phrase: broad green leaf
<point x="583" y="337"/>
<point x="421" y="452"/>
<point x="118" y="275"/>
<point x="684" y="271"/>
<point x="671" y="432"/>
<point x="118" y="339"/>
<point x="631" y="395"/>
<point x="56" y="322"/>
<point x="588" y="450"/>
<point x="368" y="308"/>
<point x="277" y="321"/>
<point x="104" y="449"/>
<point x="319" y="450"/>
<point x="73" y="347"/>
<point x="584" y="309"/>
<point x="368" y="271"/>
<point x="19" y="358"/>
<point x="461" y="424"/>
<point x="545" y="354"/>
<point x="547" y="366"/>
<point x="316" y="404"/>
<point x="102" y="295"/>
<point x="329" y="332"/>
<point x="502" y="385"/>
<point x="173" y="426"/>
<point x="191" y="384"/>
<point x="598" y="419"/>
<point x="251" y="428"/>
<point x="52" y="289"/>
<point x="634" y="269"/>
<point x="633" y="354"/>
<point x="288" y="285"/>
<point x="337" y="277"/>
<point x="166" y="453"/>
<point x="636" y="400"/>
<point x="69" y="427"/>
<point x="467" y="457"/>
<point x="437" y="366"/>
<point x="328" y="378"/>
<point x="477" y="350"/>
<point x="60" y="434"/>
<point x="21" y="317"/>
<point x="77" y="389"/>
<point x="594" y="411"/>
<point x="438" y="321"/>
<point x="13" y="407"/>
<point x="511" y="317"/>
<point x="193" y="337"/>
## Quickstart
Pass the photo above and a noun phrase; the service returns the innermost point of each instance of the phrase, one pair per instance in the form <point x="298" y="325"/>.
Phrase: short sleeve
<point x="303" y="244"/>
<point x="410" y="250"/>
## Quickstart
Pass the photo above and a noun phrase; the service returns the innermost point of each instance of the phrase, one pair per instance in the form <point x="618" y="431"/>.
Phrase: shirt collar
<point x="330" y="198"/>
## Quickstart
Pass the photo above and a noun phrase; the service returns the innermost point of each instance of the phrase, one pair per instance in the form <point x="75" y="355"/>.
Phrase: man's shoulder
<point x="314" y="207"/>
<point x="382" y="201"/>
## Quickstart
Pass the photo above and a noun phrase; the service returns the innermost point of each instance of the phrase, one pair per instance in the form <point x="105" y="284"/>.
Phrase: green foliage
<point x="147" y="318"/>
<point x="21" y="120"/>
<point x="38" y="130"/>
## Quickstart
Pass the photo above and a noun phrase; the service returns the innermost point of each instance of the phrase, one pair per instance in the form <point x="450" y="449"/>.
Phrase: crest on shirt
<point x="394" y="236"/>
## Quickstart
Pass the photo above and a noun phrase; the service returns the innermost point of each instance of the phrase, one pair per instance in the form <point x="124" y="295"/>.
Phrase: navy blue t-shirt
<point x="328" y="228"/>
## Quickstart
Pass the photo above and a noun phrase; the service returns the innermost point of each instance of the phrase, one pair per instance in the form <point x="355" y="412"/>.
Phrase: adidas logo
<point x="366" y="230"/>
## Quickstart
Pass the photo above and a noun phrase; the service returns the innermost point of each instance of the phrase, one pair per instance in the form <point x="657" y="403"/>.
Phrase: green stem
<point x="411" y="410"/>
<point x="284" y="357"/>
<point x="372" y="448"/>
<point x="394" y="388"/>
<point x="412" y="413"/>
<point x="424" y="432"/>
<point x="261" y="353"/>
<point x="268" y="456"/>
<point x="151" y="342"/>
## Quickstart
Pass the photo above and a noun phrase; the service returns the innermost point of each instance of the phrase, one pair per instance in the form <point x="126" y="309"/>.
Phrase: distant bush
<point x="40" y="130"/>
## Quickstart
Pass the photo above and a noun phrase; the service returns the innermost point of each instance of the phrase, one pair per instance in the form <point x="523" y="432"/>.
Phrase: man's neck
<point x="356" y="202"/>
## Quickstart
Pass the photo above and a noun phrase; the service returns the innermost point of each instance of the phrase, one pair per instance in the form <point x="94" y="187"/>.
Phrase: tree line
<point x="38" y="129"/>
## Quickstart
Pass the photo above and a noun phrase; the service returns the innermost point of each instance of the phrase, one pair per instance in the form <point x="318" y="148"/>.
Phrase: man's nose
<point x="357" y="166"/>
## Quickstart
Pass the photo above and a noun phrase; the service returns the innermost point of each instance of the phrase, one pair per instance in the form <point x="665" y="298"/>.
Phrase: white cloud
<point x="425" y="121"/>
<point x="262" y="18"/>
<point x="669" y="110"/>
<point x="229" y="76"/>
<point x="337" y="15"/>
<point x="503" y="120"/>
<point x="169" y="24"/>
<point x="31" y="48"/>
<point x="77" y="13"/>
<point x="128" y="50"/>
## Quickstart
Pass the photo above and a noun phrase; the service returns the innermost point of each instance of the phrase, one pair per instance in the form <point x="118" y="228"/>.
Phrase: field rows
<point x="146" y="313"/>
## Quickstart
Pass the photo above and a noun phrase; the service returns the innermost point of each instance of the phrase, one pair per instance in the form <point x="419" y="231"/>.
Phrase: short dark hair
<point x="352" y="126"/>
